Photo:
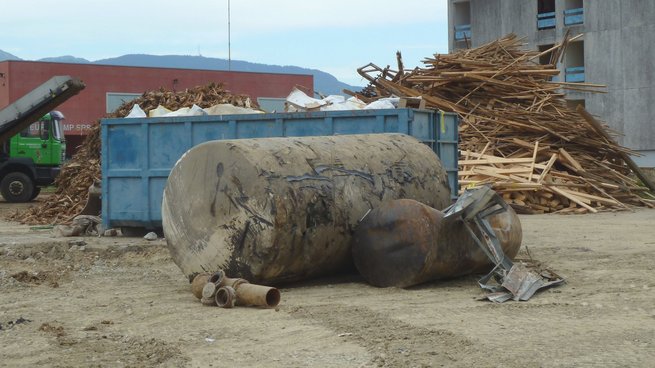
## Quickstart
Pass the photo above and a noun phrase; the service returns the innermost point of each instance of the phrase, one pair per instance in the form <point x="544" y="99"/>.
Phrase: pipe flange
<point x="226" y="297"/>
<point x="208" y="301"/>
<point x="217" y="278"/>
<point x="238" y="282"/>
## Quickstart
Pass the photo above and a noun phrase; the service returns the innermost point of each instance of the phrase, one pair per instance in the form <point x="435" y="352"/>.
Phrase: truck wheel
<point x="35" y="193"/>
<point x="17" y="187"/>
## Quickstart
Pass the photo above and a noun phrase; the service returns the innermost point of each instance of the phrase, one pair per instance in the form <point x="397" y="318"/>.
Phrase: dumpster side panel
<point x="446" y="148"/>
<point x="138" y="153"/>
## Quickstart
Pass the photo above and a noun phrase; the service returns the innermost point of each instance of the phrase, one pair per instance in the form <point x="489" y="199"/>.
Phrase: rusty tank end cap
<point x="209" y="290"/>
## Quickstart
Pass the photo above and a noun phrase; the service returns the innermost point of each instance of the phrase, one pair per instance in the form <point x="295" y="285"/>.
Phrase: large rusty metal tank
<point x="404" y="243"/>
<point x="274" y="210"/>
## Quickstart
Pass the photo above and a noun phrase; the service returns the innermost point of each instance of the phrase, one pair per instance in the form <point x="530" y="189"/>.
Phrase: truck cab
<point x="31" y="159"/>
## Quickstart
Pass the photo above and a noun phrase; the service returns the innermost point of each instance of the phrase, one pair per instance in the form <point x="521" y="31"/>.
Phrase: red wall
<point x="4" y="84"/>
<point x="90" y="105"/>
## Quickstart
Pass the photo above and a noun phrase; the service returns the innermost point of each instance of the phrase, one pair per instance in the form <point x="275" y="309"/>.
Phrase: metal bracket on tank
<point x="517" y="281"/>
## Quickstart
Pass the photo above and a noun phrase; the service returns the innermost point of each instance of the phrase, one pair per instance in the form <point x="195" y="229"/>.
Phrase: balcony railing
<point x="575" y="74"/>
<point x="463" y="32"/>
<point x="546" y="20"/>
<point x="573" y="16"/>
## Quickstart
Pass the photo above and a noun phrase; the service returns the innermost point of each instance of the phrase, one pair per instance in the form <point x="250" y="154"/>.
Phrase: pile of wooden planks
<point x="517" y="132"/>
<point x="78" y="174"/>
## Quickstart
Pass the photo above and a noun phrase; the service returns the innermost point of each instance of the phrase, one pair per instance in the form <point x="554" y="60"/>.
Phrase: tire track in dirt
<point x="391" y="342"/>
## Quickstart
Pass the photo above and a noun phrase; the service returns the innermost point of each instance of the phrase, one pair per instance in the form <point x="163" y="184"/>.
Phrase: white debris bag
<point x="380" y="104"/>
<point x="136" y="112"/>
<point x="196" y="110"/>
<point x="158" y="111"/>
<point x="300" y="100"/>
<point x="228" y="109"/>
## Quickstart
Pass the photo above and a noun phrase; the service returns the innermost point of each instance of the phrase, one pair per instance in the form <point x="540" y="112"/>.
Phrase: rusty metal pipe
<point x="198" y="284"/>
<point x="217" y="278"/>
<point x="257" y="295"/>
<point x="232" y="282"/>
<point x="226" y="297"/>
<point x="404" y="243"/>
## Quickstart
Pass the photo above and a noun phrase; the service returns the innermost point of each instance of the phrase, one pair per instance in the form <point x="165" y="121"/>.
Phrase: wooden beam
<point x="611" y="202"/>
<point x="573" y="198"/>
<point x="498" y="160"/>
<point x="534" y="157"/>
<point x="566" y="156"/>
<point x="550" y="163"/>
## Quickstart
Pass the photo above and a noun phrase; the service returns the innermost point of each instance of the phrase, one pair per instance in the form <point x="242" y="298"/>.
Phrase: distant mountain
<point x="65" y="59"/>
<point x="7" y="56"/>
<point x="324" y="83"/>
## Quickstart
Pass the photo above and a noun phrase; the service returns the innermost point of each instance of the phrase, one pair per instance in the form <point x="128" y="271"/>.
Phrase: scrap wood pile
<point x="78" y="174"/>
<point x="516" y="131"/>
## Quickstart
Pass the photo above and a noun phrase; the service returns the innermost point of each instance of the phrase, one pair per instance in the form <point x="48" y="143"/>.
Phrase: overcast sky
<point x="335" y="36"/>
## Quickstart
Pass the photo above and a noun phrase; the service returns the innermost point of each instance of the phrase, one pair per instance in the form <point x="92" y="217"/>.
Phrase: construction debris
<point x="507" y="280"/>
<point x="216" y="289"/>
<point x="517" y="132"/>
<point x="82" y="225"/>
<point x="299" y="101"/>
<point x="403" y="243"/>
<point x="83" y="170"/>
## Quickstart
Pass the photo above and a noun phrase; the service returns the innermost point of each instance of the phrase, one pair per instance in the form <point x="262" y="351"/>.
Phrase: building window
<point x="573" y="104"/>
<point x="115" y="100"/>
<point x="574" y="13"/>
<point x="462" y="21"/>
<point x="545" y="58"/>
<point x="575" y="66"/>
<point x="546" y="14"/>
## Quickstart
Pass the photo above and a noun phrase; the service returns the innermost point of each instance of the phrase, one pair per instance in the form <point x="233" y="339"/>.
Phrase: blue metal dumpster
<point x="139" y="153"/>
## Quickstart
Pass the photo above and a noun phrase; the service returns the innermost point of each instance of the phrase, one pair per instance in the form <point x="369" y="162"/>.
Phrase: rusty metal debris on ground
<point x="517" y="281"/>
<point x="216" y="289"/>
<point x="403" y="243"/>
<point x="82" y="225"/>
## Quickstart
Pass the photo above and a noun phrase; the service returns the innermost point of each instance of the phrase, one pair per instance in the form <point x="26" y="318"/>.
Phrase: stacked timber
<point x="517" y="132"/>
<point x="78" y="174"/>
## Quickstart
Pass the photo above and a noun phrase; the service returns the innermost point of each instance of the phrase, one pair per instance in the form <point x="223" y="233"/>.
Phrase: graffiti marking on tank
<point x="219" y="174"/>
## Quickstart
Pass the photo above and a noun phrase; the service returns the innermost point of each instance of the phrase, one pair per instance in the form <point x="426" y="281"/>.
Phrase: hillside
<point x="7" y="56"/>
<point x="65" y="59"/>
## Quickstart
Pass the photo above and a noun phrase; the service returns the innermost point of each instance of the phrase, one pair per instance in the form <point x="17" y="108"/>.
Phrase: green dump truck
<point x="32" y="144"/>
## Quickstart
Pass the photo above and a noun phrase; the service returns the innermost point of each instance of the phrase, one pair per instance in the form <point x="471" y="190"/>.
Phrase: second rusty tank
<point x="404" y="243"/>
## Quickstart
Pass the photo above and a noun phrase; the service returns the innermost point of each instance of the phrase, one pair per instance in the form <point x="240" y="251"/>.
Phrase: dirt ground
<point x="122" y="302"/>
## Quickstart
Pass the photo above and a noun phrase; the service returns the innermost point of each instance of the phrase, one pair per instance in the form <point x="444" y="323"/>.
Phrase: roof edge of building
<point x="147" y="67"/>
